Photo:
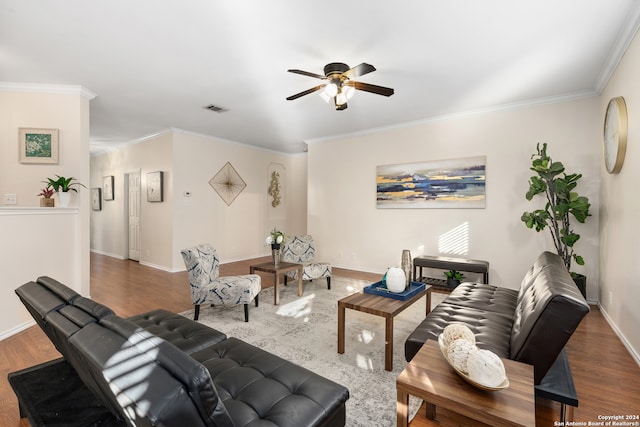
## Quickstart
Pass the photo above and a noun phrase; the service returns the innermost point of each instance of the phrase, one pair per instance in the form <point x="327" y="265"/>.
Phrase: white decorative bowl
<point x="504" y="384"/>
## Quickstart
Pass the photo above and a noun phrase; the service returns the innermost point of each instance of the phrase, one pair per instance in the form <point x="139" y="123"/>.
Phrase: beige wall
<point x="353" y="233"/>
<point x="109" y="226"/>
<point x="37" y="241"/>
<point x="189" y="161"/>
<point x="619" y="291"/>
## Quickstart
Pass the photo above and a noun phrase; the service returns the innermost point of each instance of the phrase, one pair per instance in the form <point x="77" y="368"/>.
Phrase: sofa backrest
<point x="549" y="308"/>
<point x="299" y="249"/>
<point x="151" y="381"/>
<point x="140" y="377"/>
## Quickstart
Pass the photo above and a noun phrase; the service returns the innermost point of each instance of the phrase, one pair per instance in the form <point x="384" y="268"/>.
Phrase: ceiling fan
<point x="339" y="83"/>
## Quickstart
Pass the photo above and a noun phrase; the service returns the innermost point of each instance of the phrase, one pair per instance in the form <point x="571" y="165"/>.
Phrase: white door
<point x="134" y="216"/>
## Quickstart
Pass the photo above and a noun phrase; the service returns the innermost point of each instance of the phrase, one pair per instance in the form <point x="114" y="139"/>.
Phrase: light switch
<point x="10" y="199"/>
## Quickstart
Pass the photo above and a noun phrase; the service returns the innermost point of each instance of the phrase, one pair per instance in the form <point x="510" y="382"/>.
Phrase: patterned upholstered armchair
<point x="301" y="250"/>
<point x="203" y="267"/>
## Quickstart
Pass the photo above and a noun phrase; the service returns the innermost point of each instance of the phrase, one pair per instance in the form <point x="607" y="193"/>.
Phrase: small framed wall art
<point x="154" y="187"/>
<point x="38" y="145"/>
<point x="107" y="187"/>
<point x="96" y="199"/>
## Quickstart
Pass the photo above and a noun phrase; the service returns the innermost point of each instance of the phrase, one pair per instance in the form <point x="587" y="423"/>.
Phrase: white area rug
<point x="304" y="329"/>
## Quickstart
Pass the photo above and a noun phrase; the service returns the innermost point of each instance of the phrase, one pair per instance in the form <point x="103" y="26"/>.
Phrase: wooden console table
<point x="448" y="263"/>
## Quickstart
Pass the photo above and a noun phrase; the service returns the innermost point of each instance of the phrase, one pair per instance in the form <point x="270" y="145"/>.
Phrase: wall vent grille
<point x="215" y="108"/>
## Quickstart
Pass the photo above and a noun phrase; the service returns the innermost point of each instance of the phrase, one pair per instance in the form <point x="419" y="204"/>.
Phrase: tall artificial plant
<point x="563" y="204"/>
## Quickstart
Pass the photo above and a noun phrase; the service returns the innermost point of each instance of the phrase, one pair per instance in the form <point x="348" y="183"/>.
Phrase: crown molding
<point x="498" y="108"/>
<point x="626" y="35"/>
<point x="47" y="88"/>
<point x="101" y="148"/>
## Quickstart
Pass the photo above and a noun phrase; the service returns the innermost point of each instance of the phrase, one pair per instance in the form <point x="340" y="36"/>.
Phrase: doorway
<point x="133" y="209"/>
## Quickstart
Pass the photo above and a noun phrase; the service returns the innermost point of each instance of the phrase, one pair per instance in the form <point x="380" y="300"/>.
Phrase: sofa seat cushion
<point x="259" y="388"/>
<point x="492" y="330"/>
<point x="187" y="335"/>
<point x="484" y="297"/>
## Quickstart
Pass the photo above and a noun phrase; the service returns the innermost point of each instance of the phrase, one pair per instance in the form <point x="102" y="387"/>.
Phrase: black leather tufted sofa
<point x="529" y="325"/>
<point x="162" y="369"/>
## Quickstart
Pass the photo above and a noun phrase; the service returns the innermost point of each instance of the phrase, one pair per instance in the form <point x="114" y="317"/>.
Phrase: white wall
<point x="189" y="161"/>
<point x="353" y="233"/>
<point x="36" y="241"/>
<point x="619" y="292"/>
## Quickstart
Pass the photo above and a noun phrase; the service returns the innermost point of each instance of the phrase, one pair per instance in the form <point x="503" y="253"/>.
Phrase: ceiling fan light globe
<point x="326" y="98"/>
<point x="348" y="91"/>
<point x="331" y="90"/>
<point x="341" y="98"/>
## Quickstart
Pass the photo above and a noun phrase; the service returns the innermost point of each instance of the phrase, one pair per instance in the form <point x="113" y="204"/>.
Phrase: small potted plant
<point x="46" y="201"/>
<point x="62" y="186"/>
<point x="453" y="278"/>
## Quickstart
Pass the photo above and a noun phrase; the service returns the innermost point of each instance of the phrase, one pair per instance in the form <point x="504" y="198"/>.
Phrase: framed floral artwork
<point x="38" y="145"/>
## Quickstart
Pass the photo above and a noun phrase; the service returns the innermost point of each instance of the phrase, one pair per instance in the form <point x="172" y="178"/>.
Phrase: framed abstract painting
<point x="454" y="183"/>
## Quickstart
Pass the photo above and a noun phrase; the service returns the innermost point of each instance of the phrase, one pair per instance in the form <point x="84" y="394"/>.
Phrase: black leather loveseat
<point x="162" y="369"/>
<point x="529" y="325"/>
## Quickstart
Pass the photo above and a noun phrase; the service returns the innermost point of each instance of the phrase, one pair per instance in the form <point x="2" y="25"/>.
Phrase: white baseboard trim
<point x="349" y="267"/>
<point x="99" y="252"/>
<point x="160" y="267"/>
<point x="627" y="344"/>
<point x="19" y="328"/>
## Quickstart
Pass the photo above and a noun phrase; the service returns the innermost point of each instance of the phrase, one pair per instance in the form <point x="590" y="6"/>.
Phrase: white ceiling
<point x="154" y="64"/>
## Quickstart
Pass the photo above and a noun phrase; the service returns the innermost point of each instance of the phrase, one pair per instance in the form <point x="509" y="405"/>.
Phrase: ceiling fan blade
<point x="378" y="90"/>
<point x="306" y="73"/>
<point x="306" y="92"/>
<point x="359" y="70"/>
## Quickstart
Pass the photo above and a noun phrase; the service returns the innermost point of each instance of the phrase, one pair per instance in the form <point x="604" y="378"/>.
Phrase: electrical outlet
<point x="10" y="199"/>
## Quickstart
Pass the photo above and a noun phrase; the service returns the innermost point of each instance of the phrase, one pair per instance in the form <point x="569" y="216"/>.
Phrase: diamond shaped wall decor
<point x="227" y="183"/>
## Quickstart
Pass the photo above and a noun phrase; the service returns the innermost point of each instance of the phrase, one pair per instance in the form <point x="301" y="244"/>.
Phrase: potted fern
<point x="563" y="205"/>
<point x="63" y="186"/>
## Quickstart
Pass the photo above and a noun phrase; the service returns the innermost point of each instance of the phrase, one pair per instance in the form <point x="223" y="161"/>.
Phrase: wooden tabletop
<point x="381" y="306"/>
<point x="270" y="267"/>
<point x="429" y="377"/>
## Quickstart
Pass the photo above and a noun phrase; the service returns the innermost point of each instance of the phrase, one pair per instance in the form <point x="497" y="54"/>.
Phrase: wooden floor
<point x="606" y="376"/>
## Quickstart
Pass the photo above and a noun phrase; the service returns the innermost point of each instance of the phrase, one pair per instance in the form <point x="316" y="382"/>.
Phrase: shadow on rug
<point x="304" y="329"/>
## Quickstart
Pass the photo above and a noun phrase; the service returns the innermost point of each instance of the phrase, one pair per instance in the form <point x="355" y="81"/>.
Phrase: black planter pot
<point x="581" y="283"/>
<point x="452" y="283"/>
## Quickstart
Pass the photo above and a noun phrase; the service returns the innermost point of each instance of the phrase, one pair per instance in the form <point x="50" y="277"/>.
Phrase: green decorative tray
<point x="380" y="289"/>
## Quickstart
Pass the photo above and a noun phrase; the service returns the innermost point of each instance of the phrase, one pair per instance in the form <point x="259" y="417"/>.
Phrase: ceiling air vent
<point x="215" y="108"/>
